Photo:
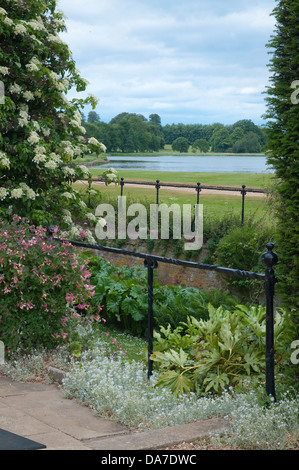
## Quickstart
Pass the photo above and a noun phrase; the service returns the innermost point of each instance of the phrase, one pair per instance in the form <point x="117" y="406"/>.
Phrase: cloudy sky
<point x="191" y="61"/>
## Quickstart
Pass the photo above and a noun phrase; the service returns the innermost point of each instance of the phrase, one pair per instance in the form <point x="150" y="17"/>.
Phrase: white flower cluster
<point x="94" y="144"/>
<point x="68" y="149"/>
<point x="61" y="84"/>
<point x="68" y="195"/>
<point x="67" y="217"/>
<point x="18" y="193"/>
<point x="34" y="65"/>
<point x="4" y="70"/>
<point x="93" y="141"/>
<point x="20" y="29"/>
<point x="69" y="172"/>
<point x="28" y="191"/>
<point x="51" y="165"/>
<point x="28" y="95"/>
<point x="75" y="232"/>
<point x="91" y="217"/>
<point x="111" y="176"/>
<point x="4" y="160"/>
<point x="37" y="24"/>
<point x="3" y="193"/>
<point x="84" y="170"/>
<point x="40" y="154"/>
<point x="15" y="88"/>
<point x="33" y="137"/>
<point x="54" y="38"/>
<point x="24" y="116"/>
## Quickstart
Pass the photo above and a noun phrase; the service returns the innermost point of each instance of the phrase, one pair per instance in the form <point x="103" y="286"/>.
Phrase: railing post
<point x="243" y="192"/>
<point x="198" y="190"/>
<point x="157" y="188"/>
<point x="151" y="264"/>
<point x="122" y="183"/>
<point x="120" y="200"/>
<point x="50" y="231"/>
<point x="270" y="259"/>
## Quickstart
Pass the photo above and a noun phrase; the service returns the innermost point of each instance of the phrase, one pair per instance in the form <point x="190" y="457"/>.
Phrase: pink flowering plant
<point x="45" y="288"/>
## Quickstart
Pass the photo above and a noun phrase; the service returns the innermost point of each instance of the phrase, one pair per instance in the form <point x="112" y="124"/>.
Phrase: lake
<point x="192" y="163"/>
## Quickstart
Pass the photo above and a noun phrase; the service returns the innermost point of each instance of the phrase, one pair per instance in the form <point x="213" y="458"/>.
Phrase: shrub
<point x="217" y="353"/>
<point x="281" y="133"/>
<point x="44" y="287"/>
<point x="214" y="229"/>
<point x="242" y="248"/>
<point x="180" y="144"/>
<point x="123" y="293"/>
<point x="41" y="132"/>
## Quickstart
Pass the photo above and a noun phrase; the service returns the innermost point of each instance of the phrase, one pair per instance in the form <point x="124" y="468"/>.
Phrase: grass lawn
<point x="251" y="180"/>
<point x="91" y="157"/>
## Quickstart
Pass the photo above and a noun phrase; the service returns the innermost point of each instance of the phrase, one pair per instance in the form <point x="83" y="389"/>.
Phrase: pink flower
<point x="27" y="305"/>
<point x="70" y="298"/>
<point x="82" y="234"/>
<point x="82" y="306"/>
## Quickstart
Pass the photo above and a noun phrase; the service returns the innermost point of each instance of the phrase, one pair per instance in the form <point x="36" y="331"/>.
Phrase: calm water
<point x="219" y="164"/>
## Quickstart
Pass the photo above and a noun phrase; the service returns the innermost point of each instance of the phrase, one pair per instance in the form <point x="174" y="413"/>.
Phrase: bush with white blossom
<point x="41" y="132"/>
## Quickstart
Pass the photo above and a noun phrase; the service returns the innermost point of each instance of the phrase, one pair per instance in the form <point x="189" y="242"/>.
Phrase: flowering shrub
<point x="110" y="176"/>
<point x="41" y="131"/>
<point x="44" y="288"/>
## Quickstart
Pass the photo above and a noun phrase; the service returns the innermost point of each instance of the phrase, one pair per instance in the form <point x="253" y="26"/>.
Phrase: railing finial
<point x="50" y="230"/>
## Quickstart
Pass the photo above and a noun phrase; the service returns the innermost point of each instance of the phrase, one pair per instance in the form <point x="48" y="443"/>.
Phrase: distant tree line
<point x="129" y="132"/>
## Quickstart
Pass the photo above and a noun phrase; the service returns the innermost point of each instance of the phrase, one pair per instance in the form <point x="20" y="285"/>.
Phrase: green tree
<point x="247" y="144"/>
<point x="180" y="144"/>
<point x="200" y="144"/>
<point x="237" y="134"/>
<point x="155" y="119"/>
<point x="93" y="117"/>
<point x="133" y="133"/>
<point x="249" y="129"/>
<point x="282" y="139"/>
<point x="40" y="129"/>
<point x="220" y="140"/>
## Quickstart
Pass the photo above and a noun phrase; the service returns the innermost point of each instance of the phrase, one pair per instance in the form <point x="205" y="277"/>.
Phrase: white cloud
<point x="196" y="61"/>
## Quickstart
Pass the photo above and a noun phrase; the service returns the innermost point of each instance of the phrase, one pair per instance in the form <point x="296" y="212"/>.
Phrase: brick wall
<point x="168" y="273"/>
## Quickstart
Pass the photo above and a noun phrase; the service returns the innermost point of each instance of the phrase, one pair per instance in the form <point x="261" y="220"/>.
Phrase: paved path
<point x="235" y="192"/>
<point x="40" y="412"/>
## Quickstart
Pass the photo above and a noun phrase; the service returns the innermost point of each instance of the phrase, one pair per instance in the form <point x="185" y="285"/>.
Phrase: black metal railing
<point x="198" y="188"/>
<point x="151" y="262"/>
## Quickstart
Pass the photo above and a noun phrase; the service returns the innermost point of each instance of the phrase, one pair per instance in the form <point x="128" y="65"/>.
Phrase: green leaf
<point x="216" y="381"/>
<point x="177" y="358"/>
<point x="229" y="339"/>
<point x="177" y="383"/>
